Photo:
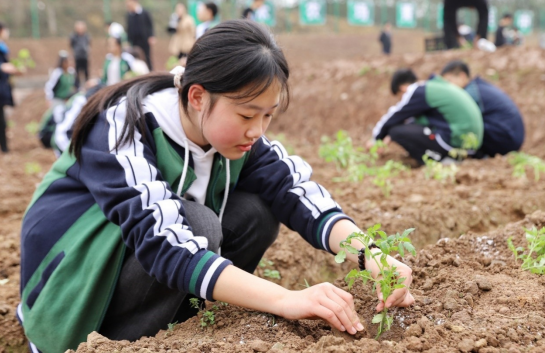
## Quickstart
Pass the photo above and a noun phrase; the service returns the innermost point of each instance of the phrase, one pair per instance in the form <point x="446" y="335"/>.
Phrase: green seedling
<point x="520" y="161"/>
<point x="207" y="317"/>
<point x="32" y="128"/>
<point x="171" y="326"/>
<point x="268" y="272"/>
<point x="32" y="168"/>
<point x="364" y="70"/>
<point x="533" y="259"/>
<point x="388" y="279"/>
<point x="357" y="164"/>
<point x="274" y="274"/>
<point x="438" y="171"/>
<point x="171" y="63"/>
<point x="23" y="61"/>
<point x="469" y="142"/>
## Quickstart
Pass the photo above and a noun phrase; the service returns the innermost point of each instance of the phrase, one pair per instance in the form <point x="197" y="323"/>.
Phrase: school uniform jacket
<point x="448" y="110"/>
<point x="83" y="216"/>
<point x="60" y="84"/>
<point x="503" y="125"/>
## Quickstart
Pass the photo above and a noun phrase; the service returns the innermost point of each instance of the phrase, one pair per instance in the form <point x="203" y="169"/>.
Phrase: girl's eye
<point x="268" y="115"/>
<point x="246" y="117"/>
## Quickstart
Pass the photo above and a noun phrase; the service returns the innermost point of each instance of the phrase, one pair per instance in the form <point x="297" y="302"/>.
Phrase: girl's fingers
<point x="340" y="312"/>
<point x="348" y="308"/>
<point x="347" y="297"/>
<point x="329" y="316"/>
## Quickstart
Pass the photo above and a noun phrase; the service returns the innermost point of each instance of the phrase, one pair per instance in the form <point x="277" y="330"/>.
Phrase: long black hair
<point x="238" y="59"/>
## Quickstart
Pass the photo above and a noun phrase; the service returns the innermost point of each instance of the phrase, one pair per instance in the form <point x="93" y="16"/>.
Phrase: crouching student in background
<point x="162" y="171"/>
<point x="62" y="81"/>
<point x="118" y="64"/>
<point x="432" y="118"/>
<point x="503" y="125"/>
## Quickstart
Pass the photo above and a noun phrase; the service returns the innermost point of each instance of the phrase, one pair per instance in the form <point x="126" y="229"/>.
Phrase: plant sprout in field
<point x="439" y="171"/>
<point x="32" y="128"/>
<point x="357" y="164"/>
<point x="172" y="62"/>
<point x="388" y="278"/>
<point x="23" y="60"/>
<point x="534" y="259"/>
<point x="32" y="168"/>
<point x="267" y="272"/>
<point x="470" y="142"/>
<point x="207" y="317"/>
<point x="520" y="161"/>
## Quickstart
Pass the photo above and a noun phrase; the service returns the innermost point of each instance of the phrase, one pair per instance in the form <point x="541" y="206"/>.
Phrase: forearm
<point x="237" y="287"/>
<point x="340" y="232"/>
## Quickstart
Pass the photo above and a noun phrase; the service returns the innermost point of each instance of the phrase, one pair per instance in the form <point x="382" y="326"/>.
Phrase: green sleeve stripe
<point x="197" y="271"/>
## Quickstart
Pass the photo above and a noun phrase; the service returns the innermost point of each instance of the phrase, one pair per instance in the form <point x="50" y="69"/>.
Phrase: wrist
<point x="279" y="304"/>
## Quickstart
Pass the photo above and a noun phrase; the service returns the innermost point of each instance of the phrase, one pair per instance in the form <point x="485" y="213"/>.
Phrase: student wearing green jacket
<point x="62" y="81"/>
<point x="117" y="64"/>
<point x="433" y="118"/>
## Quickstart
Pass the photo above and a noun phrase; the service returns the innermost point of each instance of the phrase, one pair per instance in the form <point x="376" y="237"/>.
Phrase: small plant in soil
<point x="23" y="61"/>
<point x="469" y="142"/>
<point x="171" y="326"/>
<point x="207" y="317"/>
<point x="32" y="128"/>
<point x="32" y="168"/>
<point x="356" y="164"/>
<point x="533" y="259"/>
<point x="388" y="279"/>
<point x="268" y="272"/>
<point x="438" y="171"/>
<point x="520" y="161"/>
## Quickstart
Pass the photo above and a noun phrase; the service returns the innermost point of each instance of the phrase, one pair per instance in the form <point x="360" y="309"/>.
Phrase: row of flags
<point x="362" y="13"/>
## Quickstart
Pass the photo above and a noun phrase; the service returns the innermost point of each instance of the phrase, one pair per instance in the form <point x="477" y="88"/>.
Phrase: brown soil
<point x="482" y="201"/>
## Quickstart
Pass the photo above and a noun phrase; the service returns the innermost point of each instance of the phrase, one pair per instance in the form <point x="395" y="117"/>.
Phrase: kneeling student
<point x="503" y="126"/>
<point x="432" y="118"/>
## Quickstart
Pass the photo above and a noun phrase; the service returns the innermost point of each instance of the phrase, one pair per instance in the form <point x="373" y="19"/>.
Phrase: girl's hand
<point x="322" y="301"/>
<point x="400" y="297"/>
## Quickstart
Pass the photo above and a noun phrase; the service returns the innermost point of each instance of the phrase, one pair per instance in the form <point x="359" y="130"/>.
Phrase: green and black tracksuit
<point x="61" y="85"/>
<point x="432" y="118"/>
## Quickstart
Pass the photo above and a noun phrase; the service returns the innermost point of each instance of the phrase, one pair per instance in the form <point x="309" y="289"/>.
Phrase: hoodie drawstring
<point x="227" y="179"/>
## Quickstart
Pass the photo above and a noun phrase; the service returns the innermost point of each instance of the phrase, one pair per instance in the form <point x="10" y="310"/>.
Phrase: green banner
<point x="312" y="12"/>
<point x="524" y="21"/>
<point x="193" y="8"/>
<point x="406" y="15"/>
<point x="361" y="12"/>
<point x="440" y="14"/>
<point x="266" y="14"/>
<point x="492" y="18"/>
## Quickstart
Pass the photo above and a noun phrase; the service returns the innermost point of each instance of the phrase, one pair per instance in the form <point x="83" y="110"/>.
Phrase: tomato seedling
<point x="534" y="259"/>
<point x="207" y="317"/>
<point x="23" y="61"/>
<point x="520" y="161"/>
<point x="388" y="278"/>
<point x="438" y="171"/>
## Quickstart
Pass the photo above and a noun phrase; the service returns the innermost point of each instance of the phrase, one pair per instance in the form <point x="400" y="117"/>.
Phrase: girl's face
<point x="4" y="34"/>
<point x="232" y="127"/>
<point x="113" y="46"/>
<point x="204" y="14"/>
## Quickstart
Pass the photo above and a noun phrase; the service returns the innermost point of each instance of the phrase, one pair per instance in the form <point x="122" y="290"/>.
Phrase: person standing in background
<point x="184" y="35"/>
<point x="386" y="38"/>
<point x="450" y="27"/>
<point x="140" y="29"/>
<point x="6" y="98"/>
<point x="501" y="37"/>
<point x="80" y="42"/>
<point x="249" y="12"/>
<point x="207" y="15"/>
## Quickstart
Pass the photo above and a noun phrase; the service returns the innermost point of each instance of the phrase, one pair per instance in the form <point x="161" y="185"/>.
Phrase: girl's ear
<point x="196" y="97"/>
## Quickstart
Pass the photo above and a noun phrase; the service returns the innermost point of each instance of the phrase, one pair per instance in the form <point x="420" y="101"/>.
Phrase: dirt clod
<point x="483" y="283"/>
<point x="466" y="345"/>
<point x="259" y="346"/>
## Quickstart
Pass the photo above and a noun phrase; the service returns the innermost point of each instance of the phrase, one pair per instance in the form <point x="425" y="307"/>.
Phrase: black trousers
<point x="3" y="126"/>
<point x="82" y="68"/>
<point x="141" y="306"/>
<point x="147" y="52"/>
<point x="418" y="140"/>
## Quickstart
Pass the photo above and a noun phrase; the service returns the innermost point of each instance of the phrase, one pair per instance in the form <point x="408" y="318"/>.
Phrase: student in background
<point x="6" y="98"/>
<point x="140" y="29"/>
<point x="80" y="42"/>
<point x="432" y="118"/>
<point x="138" y="65"/>
<point x="206" y="14"/>
<point x="183" y="38"/>
<point x="385" y="38"/>
<point x="503" y="125"/>
<point x="502" y="32"/>
<point x="117" y="63"/>
<point x="249" y="12"/>
<point x="62" y="81"/>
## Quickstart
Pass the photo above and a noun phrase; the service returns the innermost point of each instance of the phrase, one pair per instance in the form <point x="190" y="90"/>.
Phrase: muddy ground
<point x="484" y="205"/>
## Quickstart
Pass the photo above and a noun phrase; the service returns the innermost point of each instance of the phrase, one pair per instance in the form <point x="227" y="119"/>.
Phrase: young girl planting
<point x="171" y="191"/>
